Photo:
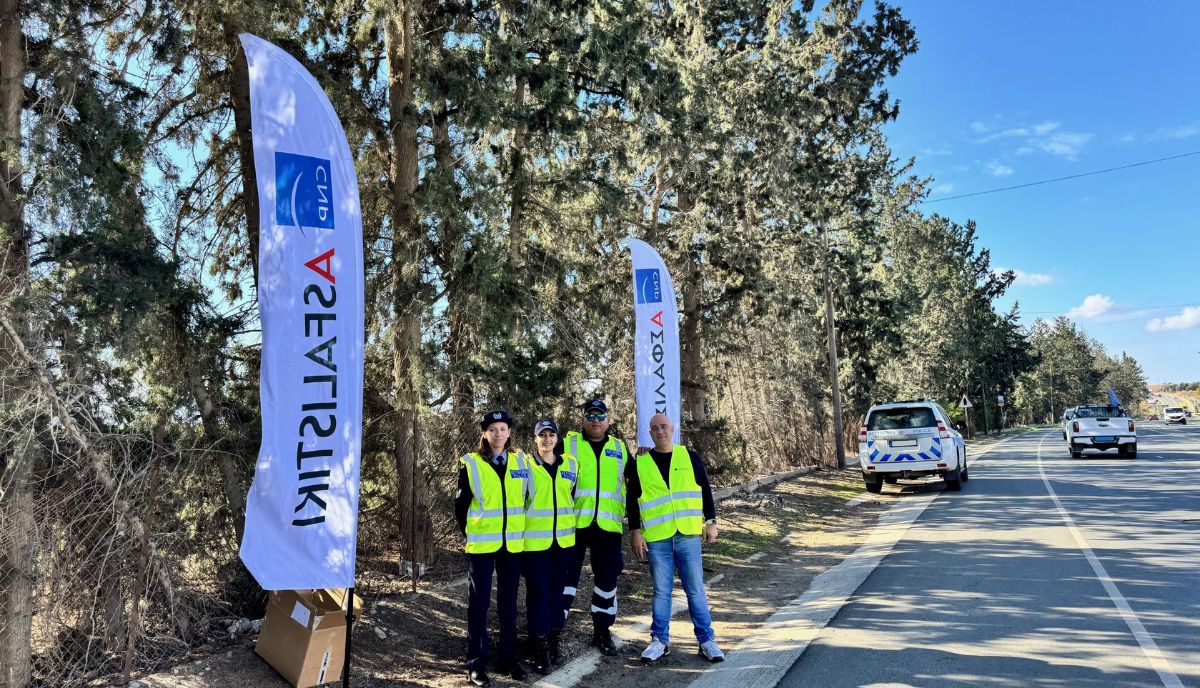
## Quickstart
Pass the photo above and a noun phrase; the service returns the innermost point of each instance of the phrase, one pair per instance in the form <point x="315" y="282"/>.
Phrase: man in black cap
<point x="600" y="511"/>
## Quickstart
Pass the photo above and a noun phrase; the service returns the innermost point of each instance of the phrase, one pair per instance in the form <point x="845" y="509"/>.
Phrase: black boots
<point x="540" y="654"/>
<point x="515" y="670"/>
<point x="602" y="640"/>
<point x="555" y="642"/>
<point x="478" y="677"/>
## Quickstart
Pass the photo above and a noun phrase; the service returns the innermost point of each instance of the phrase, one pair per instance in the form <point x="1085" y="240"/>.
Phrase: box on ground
<point x="304" y="635"/>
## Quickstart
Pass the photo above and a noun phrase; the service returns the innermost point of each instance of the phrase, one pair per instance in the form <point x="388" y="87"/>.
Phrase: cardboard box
<point x="304" y="635"/>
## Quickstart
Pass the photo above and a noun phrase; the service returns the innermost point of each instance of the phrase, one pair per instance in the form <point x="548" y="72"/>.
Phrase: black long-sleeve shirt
<point x="633" y="485"/>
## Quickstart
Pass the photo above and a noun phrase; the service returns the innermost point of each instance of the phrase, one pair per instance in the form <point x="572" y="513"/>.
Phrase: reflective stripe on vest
<point x="496" y="516"/>
<point x="668" y="510"/>
<point x="603" y="502"/>
<point x="551" y="514"/>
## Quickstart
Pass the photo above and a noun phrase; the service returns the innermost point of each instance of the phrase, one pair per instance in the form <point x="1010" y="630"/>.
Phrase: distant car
<point x="1066" y="417"/>
<point x="1153" y="416"/>
<point x="1101" y="427"/>
<point x="1175" y="414"/>
<point x="910" y="439"/>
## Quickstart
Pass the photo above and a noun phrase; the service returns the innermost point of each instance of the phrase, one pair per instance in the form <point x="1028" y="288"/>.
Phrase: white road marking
<point x="755" y="557"/>
<point x="764" y="657"/>
<point x="572" y="673"/>
<point x="1149" y="648"/>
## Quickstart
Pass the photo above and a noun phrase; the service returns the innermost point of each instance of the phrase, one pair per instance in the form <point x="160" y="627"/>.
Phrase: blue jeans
<point x="682" y="553"/>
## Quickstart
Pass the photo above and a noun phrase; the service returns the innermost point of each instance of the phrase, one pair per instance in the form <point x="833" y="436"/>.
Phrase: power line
<point x="1060" y="179"/>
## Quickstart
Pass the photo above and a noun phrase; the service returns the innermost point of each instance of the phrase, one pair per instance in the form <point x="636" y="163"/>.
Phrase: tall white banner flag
<point x="656" y="346"/>
<point x="302" y="510"/>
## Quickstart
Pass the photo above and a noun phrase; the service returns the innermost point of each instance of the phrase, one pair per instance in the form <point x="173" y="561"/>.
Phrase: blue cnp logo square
<point x="648" y="285"/>
<point x="303" y="191"/>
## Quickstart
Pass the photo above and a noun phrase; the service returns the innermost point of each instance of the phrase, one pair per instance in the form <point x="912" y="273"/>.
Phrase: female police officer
<point x="493" y="485"/>
<point x="549" y="536"/>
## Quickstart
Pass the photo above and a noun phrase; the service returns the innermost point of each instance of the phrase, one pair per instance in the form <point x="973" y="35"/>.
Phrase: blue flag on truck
<point x="1112" y="398"/>
<point x="302" y="510"/>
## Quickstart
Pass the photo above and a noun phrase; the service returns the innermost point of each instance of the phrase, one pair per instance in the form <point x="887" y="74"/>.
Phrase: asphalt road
<point x="1043" y="571"/>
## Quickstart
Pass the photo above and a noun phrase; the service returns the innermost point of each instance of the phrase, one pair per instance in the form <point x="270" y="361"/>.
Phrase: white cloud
<point x="1092" y="307"/>
<point x="1064" y="144"/>
<point x="1044" y="137"/>
<point x="1029" y="279"/>
<point x="945" y="188"/>
<point x="1186" y="320"/>
<point x="999" y="169"/>
<point x="1186" y="131"/>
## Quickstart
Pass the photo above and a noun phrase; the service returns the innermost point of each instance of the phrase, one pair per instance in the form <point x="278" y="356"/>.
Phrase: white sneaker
<point x="655" y="651"/>
<point x="711" y="652"/>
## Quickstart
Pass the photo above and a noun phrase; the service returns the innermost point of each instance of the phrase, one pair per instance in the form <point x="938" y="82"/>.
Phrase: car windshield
<point x="1098" y="412"/>
<point x="1174" y="410"/>
<point x="902" y="418"/>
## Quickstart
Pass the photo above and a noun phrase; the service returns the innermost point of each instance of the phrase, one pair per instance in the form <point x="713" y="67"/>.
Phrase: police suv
<point x="910" y="439"/>
<point x="1100" y="427"/>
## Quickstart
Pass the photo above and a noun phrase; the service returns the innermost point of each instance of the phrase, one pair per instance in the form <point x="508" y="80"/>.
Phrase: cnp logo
<point x="303" y="191"/>
<point x="648" y="285"/>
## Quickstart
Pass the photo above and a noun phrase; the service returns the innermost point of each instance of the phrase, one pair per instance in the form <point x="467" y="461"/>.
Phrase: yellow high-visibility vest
<point x="600" y="494"/>
<point x="665" y="509"/>
<point x="497" y="513"/>
<point x="551" y="514"/>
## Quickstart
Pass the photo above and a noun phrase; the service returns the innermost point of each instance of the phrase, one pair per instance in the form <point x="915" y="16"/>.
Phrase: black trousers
<point x="545" y="576"/>
<point x="479" y="598"/>
<point x="608" y="561"/>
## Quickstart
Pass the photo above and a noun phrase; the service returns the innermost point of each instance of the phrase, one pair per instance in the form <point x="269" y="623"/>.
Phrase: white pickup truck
<point x="1100" y="427"/>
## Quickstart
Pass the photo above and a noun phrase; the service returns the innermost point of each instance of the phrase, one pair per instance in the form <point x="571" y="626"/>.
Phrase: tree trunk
<point x="17" y="524"/>
<point x="231" y="483"/>
<point x="413" y="520"/>
<point x="239" y="92"/>
<point x="693" y="382"/>
<point x="459" y="304"/>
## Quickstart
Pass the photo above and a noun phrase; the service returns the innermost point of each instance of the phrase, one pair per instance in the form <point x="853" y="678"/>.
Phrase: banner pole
<point x="349" y="628"/>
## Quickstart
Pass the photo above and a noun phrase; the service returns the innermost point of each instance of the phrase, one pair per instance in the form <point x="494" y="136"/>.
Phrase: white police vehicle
<point x="910" y="439"/>
<point x="1102" y="427"/>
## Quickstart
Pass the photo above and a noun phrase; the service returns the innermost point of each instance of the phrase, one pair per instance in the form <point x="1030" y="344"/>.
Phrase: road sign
<point x="1000" y="399"/>
<point x="965" y="402"/>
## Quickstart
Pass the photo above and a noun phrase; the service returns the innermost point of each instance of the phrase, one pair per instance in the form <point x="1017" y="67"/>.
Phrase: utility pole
<point x="839" y="441"/>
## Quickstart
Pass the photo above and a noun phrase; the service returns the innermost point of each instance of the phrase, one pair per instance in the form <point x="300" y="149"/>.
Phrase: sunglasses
<point x="595" y="416"/>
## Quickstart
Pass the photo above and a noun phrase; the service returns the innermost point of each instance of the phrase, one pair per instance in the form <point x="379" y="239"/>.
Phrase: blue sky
<point x="1009" y="93"/>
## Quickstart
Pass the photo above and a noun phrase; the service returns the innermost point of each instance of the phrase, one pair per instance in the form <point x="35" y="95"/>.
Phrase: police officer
<point x="671" y="510"/>
<point x="549" y="537"/>
<point x="600" y="511"/>
<point x="493" y="486"/>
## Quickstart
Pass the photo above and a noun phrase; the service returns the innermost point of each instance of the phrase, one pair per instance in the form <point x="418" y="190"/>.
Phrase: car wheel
<point x="1132" y="451"/>
<point x="1076" y="453"/>
<point x="874" y="486"/>
<point x="965" y="477"/>
<point x="953" y="481"/>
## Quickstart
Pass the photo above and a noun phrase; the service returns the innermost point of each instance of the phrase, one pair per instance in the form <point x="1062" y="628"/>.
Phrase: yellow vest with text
<point x="551" y="514"/>
<point x="496" y="516"/>
<point x="600" y="494"/>
<point x="668" y="509"/>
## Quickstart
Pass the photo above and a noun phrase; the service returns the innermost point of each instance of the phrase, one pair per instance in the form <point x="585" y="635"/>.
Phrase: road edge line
<point x="1158" y="661"/>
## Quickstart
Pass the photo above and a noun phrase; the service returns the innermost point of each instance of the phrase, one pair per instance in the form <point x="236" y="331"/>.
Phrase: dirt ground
<point x="772" y="543"/>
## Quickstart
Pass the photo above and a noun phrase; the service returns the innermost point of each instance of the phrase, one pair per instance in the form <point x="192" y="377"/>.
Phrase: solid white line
<point x="1149" y="648"/>
<point x="765" y="656"/>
